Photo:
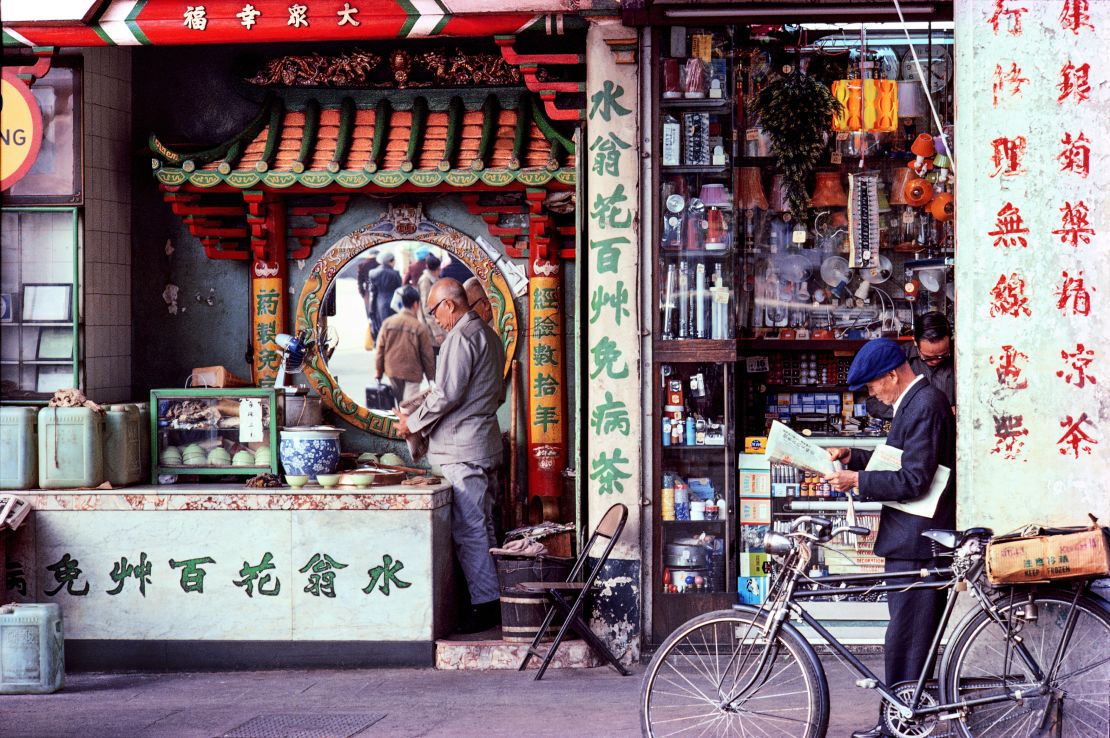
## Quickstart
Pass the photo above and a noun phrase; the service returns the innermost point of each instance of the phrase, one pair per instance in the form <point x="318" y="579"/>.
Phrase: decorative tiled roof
<point x="350" y="146"/>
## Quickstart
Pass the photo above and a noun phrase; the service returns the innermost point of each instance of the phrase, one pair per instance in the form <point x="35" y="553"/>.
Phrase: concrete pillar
<point x="615" y="388"/>
<point x="1033" y="272"/>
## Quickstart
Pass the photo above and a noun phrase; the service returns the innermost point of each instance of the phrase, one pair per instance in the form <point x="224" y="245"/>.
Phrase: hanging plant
<point x="796" y="110"/>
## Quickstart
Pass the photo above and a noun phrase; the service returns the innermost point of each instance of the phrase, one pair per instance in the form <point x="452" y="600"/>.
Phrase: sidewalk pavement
<point x="379" y="703"/>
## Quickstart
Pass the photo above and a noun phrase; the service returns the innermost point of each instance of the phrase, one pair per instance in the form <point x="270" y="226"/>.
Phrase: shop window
<point x="55" y="178"/>
<point x="38" y="302"/>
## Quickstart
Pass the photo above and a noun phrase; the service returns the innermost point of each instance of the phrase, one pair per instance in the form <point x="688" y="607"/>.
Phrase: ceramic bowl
<point x="219" y="457"/>
<point x="243" y="458"/>
<point x="362" y="481"/>
<point x="327" y="480"/>
<point x="296" y="481"/>
<point x="262" y="456"/>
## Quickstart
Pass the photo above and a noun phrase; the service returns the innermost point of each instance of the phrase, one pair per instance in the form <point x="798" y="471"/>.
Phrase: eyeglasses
<point x="934" y="358"/>
<point x="479" y="301"/>
<point x="432" y="312"/>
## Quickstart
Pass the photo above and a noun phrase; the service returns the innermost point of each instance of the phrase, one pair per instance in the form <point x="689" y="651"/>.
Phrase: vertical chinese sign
<point x="1033" y="333"/>
<point x="613" y="402"/>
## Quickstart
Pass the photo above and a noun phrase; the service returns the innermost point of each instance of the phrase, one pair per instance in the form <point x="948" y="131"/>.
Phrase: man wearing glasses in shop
<point x="931" y="357"/>
<point x="479" y="300"/>
<point x="459" y="417"/>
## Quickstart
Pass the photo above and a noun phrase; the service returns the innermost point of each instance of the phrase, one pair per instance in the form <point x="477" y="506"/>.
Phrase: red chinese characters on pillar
<point x="1075" y="438"/>
<point x="1075" y="15"/>
<point x="1075" y="366"/>
<point x="1004" y="10"/>
<point x="1007" y="369"/>
<point x="1007" y="82"/>
<point x="1074" y="83"/>
<point x="1075" y="157"/>
<point x="1009" y="433"/>
<point x="1074" y="225"/>
<point x="1006" y="156"/>
<point x="1073" y="296"/>
<point x="1009" y="228"/>
<point x="1008" y="297"/>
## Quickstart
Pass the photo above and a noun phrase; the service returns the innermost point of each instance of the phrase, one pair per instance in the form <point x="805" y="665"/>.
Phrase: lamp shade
<point x="714" y="196"/>
<point x="867" y="105"/>
<point x="898" y="186"/>
<point x="829" y="191"/>
<point x="917" y="191"/>
<point x="751" y="189"/>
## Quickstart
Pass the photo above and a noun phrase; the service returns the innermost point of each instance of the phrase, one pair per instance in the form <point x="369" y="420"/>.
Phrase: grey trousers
<point x="473" y="484"/>
<point x="403" y="389"/>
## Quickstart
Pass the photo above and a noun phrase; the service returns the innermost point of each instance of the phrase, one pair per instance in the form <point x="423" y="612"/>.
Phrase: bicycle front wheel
<point x="982" y="664"/>
<point x="717" y="675"/>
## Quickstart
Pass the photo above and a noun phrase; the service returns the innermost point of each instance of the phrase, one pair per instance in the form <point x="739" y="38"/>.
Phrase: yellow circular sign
<point x="20" y="130"/>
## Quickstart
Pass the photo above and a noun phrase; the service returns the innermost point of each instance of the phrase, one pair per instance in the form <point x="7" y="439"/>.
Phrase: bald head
<point x="447" y="303"/>
<point x="478" y="299"/>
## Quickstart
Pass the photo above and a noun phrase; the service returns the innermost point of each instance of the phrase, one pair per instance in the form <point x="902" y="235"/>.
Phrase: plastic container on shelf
<point x="122" y="445"/>
<point x="18" y="448"/>
<point x="71" y="447"/>
<point x="31" y="648"/>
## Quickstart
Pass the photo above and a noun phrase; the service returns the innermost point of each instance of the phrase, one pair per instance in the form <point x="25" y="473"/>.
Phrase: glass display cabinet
<point x="695" y="495"/>
<point x="214" y="432"/>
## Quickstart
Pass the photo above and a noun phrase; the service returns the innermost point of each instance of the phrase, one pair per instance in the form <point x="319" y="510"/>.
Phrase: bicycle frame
<point x="945" y="578"/>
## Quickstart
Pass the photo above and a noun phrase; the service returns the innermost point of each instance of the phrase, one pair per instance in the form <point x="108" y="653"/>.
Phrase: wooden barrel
<point x="514" y="570"/>
<point x="522" y="613"/>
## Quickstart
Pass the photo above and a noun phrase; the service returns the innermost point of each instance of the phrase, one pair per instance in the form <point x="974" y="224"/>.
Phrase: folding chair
<point x="560" y="594"/>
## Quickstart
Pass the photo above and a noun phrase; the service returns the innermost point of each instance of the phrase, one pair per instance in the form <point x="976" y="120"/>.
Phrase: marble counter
<point x="264" y="572"/>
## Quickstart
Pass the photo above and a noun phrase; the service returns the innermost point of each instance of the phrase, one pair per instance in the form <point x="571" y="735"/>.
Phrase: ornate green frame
<point x="398" y="223"/>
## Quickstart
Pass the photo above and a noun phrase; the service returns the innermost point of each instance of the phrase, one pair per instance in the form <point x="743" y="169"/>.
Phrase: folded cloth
<point x="417" y="442"/>
<point x="521" y="547"/>
<point x="427" y="480"/>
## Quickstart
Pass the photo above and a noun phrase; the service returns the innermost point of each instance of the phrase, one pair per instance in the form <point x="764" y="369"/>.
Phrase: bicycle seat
<point x="955" y="538"/>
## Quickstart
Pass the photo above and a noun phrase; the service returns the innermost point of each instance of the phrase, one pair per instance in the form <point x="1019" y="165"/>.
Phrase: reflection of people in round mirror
<point x="384" y="279"/>
<point x="365" y="266"/>
<point x="416" y="269"/>
<point x="427" y="279"/>
<point x="479" y="300"/>
<point x="404" y="349"/>
<point x="455" y="269"/>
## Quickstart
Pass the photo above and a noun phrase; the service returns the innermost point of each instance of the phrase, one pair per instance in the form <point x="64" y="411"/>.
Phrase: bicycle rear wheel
<point x="716" y="676"/>
<point x="980" y="663"/>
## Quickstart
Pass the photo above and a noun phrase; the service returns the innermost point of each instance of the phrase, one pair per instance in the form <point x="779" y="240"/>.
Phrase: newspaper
<point x="888" y="458"/>
<point x="784" y="446"/>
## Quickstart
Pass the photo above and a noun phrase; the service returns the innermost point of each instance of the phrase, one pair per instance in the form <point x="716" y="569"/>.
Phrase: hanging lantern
<point x="869" y="105"/>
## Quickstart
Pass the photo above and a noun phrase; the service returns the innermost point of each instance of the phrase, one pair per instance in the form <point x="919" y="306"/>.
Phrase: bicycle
<point x="1026" y="660"/>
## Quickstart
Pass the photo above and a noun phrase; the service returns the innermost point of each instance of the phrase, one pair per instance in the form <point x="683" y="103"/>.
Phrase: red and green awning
<point x="189" y="22"/>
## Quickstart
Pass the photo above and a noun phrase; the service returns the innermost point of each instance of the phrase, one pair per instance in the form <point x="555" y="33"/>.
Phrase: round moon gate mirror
<point x="334" y="310"/>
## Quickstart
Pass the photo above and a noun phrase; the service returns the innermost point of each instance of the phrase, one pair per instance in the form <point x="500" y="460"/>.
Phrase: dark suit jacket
<point x="926" y="432"/>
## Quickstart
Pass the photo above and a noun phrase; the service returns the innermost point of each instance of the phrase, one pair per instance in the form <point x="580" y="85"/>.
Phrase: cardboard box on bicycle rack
<point x="1042" y="558"/>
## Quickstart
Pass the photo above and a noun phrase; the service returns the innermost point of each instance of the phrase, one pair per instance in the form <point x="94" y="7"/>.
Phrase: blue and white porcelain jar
<point x="310" y="450"/>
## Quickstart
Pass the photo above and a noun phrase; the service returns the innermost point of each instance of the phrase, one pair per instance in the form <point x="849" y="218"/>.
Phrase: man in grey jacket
<point x="459" y="416"/>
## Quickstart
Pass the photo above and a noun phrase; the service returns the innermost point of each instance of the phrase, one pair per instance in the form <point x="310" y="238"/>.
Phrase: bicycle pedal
<point x="867" y="683"/>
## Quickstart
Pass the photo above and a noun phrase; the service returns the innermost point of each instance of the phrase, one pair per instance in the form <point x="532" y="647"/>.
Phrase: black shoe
<point x="876" y="732"/>
<point x="481" y="618"/>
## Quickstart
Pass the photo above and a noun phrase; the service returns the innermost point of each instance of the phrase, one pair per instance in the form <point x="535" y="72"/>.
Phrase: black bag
<point x="380" y="397"/>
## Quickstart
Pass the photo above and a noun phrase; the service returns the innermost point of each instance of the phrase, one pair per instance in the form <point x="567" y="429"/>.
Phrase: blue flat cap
<point x="875" y="359"/>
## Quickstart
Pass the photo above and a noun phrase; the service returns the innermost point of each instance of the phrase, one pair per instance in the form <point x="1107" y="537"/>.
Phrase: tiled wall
<point x="106" y="114"/>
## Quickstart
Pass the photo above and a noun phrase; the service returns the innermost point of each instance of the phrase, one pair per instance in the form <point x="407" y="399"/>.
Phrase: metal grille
<point x="305" y="725"/>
